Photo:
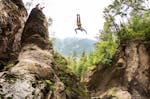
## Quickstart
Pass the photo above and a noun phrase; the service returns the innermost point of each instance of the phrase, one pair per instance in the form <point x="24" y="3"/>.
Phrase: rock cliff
<point x="128" y="77"/>
<point x="12" y="19"/>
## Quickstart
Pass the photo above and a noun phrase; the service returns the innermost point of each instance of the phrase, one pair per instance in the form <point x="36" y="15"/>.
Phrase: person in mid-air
<point x="79" y="25"/>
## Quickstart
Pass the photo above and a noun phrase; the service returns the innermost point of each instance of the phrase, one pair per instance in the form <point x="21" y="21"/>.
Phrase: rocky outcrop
<point x="129" y="75"/>
<point x="39" y="73"/>
<point x="36" y="30"/>
<point x="12" y="19"/>
<point x="27" y="78"/>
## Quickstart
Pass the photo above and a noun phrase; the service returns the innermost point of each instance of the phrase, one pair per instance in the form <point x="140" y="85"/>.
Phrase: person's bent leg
<point x="76" y="30"/>
<point x="82" y="29"/>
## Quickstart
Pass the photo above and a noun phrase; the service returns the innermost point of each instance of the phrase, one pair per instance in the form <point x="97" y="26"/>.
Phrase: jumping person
<point x="79" y="27"/>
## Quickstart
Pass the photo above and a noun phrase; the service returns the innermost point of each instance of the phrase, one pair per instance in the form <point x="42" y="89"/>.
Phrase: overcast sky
<point x="63" y="13"/>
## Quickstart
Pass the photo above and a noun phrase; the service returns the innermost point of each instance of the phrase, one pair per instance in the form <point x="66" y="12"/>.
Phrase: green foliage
<point x="133" y="16"/>
<point x="139" y="27"/>
<point x="135" y="26"/>
<point x="63" y="68"/>
<point x="82" y="66"/>
<point x="50" y="84"/>
<point x="79" y="67"/>
<point x="147" y="34"/>
<point x="67" y="76"/>
<point x="105" y="52"/>
<point x="65" y="80"/>
<point x="60" y="61"/>
<point x="8" y="66"/>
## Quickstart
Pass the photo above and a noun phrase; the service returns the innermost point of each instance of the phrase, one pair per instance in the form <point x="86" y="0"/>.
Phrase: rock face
<point x="129" y="75"/>
<point x="12" y="19"/>
<point x="36" y="30"/>
<point x="37" y="74"/>
<point x="28" y="77"/>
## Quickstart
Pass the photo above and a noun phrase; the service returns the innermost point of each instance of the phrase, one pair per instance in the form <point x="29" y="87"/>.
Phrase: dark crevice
<point x="137" y="48"/>
<point x="136" y="85"/>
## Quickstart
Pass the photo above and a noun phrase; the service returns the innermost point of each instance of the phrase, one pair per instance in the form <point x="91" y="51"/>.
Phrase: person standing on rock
<point x="39" y="8"/>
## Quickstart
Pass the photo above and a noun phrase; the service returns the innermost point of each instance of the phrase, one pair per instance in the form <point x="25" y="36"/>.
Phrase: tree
<point x="81" y="65"/>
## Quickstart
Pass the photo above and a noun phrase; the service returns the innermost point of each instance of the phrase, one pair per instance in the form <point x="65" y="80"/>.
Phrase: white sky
<point x="63" y="13"/>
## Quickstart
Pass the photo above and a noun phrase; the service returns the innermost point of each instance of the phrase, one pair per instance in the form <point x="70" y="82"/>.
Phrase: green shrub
<point x="139" y="27"/>
<point x="50" y="84"/>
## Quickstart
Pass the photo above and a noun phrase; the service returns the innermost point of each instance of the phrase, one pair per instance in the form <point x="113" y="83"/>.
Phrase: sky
<point x="63" y="13"/>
